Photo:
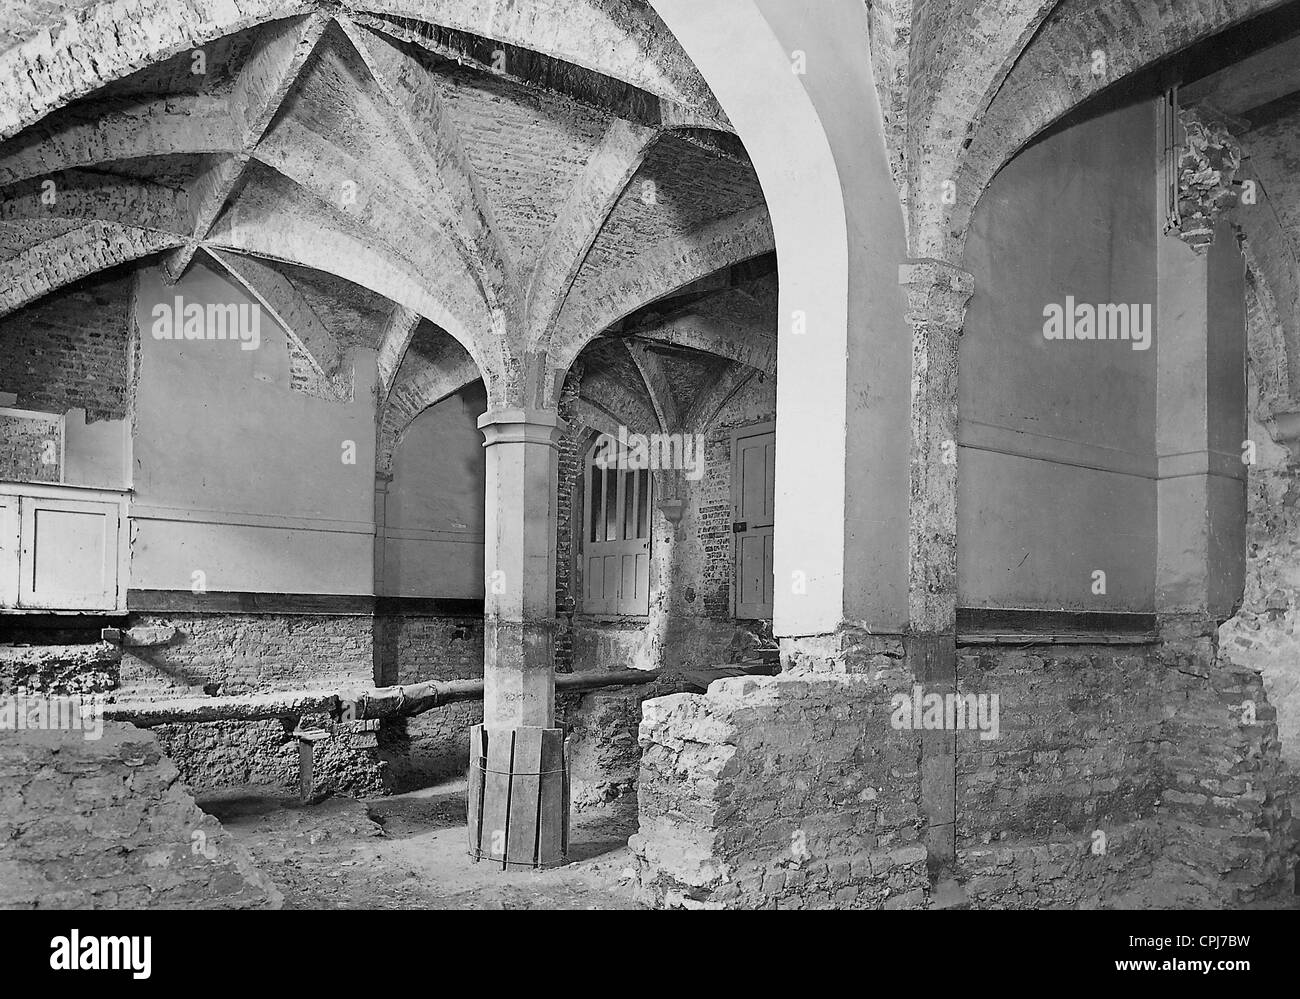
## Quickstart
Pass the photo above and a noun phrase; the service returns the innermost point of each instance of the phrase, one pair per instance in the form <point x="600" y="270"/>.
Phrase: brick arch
<point x="621" y="39"/>
<point x="55" y="60"/>
<point x="70" y="256"/>
<point x="59" y="55"/>
<point x="178" y="123"/>
<point x="956" y="66"/>
<point x="1054" y="75"/>
<point x="97" y="197"/>
<point x="290" y="231"/>
<point x="654" y="273"/>
<point x="420" y="384"/>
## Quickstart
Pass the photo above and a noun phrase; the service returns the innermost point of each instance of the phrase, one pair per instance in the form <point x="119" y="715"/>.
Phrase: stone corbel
<point x="937" y="294"/>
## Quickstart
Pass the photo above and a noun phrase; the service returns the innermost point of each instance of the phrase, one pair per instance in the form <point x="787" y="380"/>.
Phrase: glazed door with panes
<point x="616" y="572"/>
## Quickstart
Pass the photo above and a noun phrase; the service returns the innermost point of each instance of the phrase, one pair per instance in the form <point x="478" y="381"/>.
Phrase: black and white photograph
<point x="650" y="455"/>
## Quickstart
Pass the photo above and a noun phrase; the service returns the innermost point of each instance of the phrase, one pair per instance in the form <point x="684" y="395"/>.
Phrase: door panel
<point x="9" y="522"/>
<point x="68" y="559"/>
<point x="753" y="488"/>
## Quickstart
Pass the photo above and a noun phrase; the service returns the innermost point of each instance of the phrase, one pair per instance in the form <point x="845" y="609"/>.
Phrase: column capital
<point x="937" y="293"/>
<point x="521" y="426"/>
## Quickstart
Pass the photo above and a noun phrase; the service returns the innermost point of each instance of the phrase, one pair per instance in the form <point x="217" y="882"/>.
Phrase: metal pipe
<point x="378" y="702"/>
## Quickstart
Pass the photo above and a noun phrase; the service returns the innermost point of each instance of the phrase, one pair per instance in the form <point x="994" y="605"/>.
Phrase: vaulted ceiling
<point x="388" y="178"/>
<point x="495" y="182"/>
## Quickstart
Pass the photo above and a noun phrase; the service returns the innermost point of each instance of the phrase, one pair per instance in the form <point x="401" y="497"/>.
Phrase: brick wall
<point x="570" y="472"/>
<point x="1139" y="753"/>
<point x="781" y="792"/>
<point x="434" y="745"/>
<point x="250" y="653"/>
<point x="241" y="653"/>
<point x="71" y="350"/>
<point x="230" y="654"/>
<point x="710" y="514"/>
<point x="1119" y="778"/>
<point x="31" y="448"/>
<point x="103" y="824"/>
<point x="1078" y="745"/>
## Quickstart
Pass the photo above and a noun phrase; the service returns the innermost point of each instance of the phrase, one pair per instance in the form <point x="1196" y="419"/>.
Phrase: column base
<point x="518" y="797"/>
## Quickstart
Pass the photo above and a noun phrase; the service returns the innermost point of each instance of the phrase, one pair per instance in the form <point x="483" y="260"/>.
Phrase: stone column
<point x="518" y="807"/>
<point x="519" y="561"/>
<point x="937" y="293"/>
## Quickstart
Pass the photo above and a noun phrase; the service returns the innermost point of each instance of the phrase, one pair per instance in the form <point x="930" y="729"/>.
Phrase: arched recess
<point x="420" y="385"/>
<point x="801" y="96"/>
<point x="432" y="514"/>
<point x="1055" y="74"/>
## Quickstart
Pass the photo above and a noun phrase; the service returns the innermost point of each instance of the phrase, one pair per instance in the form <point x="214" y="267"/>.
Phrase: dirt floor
<point x="408" y="851"/>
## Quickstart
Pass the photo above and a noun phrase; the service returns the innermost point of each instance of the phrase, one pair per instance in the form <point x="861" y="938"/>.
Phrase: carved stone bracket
<point x="937" y="293"/>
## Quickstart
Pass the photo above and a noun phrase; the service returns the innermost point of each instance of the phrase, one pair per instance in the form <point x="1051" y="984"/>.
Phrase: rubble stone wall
<point x="1119" y="777"/>
<point x="104" y="823"/>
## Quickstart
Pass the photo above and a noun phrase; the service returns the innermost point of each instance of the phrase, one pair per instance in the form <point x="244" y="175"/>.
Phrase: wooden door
<point x="616" y="568"/>
<point x="753" y="495"/>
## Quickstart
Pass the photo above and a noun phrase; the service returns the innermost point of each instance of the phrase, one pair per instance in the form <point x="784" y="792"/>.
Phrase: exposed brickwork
<point x="70" y="256"/>
<point x="246" y="653"/>
<point x="1118" y="778"/>
<point x="227" y="654"/>
<point x="569" y="476"/>
<point x="104" y="824"/>
<point x="781" y="792"/>
<point x="601" y="729"/>
<point x="414" y="648"/>
<point x="31" y="448"/>
<point x="71" y="350"/>
<point x="599" y="299"/>
<point x="242" y="653"/>
<point x="418" y="647"/>
<point x="1078" y="745"/>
